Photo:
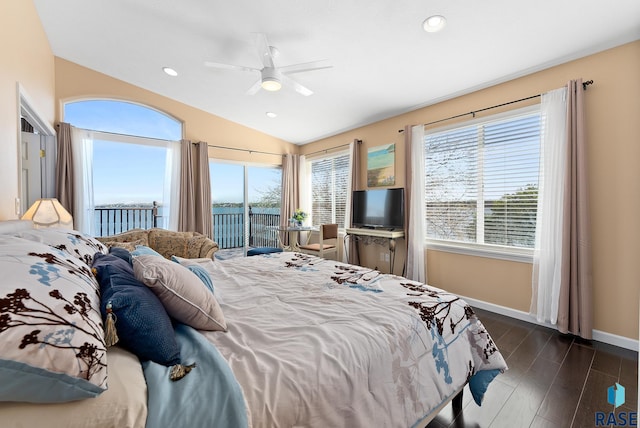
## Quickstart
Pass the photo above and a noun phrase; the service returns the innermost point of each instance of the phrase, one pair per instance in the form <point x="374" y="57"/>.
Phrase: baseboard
<point x="600" y="336"/>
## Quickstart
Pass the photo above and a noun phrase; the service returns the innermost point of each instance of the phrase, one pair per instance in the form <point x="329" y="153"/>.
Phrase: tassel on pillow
<point x="179" y="371"/>
<point x="110" y="333"/>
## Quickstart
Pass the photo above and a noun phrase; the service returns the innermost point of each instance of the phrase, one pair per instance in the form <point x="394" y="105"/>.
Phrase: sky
<point x="126" y="173"/>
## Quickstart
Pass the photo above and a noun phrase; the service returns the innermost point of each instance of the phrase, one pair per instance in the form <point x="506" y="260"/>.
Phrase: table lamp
<point x="48" y="212"/>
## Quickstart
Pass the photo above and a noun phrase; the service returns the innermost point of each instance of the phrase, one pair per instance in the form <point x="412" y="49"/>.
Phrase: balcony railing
<point x="228" y="228"/>
<point x="113" y="220"/>
<point x="261" y="229"/>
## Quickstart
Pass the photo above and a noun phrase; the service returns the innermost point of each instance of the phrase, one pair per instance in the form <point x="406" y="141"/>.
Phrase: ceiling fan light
<point x="271" y="84"/>
<point x="434" y="23"/>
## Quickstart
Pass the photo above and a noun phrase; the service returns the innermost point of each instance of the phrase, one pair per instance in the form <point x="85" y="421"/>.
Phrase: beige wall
<point x="26" y="59"/>
<point x="74" y="82"/>
<point x="613" y="116"/>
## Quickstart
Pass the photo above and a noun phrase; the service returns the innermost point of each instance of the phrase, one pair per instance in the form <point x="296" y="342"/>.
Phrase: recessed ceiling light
<point x="170" y="71"/>
<point x="434" y="23"/>
<point x="271" y="114"/>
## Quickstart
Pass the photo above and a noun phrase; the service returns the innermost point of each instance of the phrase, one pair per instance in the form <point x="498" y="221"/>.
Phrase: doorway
<point x="36" y="155"/>
<point x="245" y="205"/>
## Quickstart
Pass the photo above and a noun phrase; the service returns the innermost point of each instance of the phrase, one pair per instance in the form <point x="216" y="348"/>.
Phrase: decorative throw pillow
<point x="72" y="242"/>
<point x="50" y="325"/>
<point x="168" y="242"/>
<point x="112" y="259"/>
<point x="197" y="245"/>
<point x="129" y="246"/>
<point x="181" y="292"/>
<point x="122" y="253"/>
<point x="143" y="250"/>
<point x="128" y="236"/>
<point x="198" y="270"/>
<point x="142" y="324"/>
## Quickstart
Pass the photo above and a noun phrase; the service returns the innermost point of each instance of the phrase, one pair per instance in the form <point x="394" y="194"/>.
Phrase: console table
<point x="378" y="237"/>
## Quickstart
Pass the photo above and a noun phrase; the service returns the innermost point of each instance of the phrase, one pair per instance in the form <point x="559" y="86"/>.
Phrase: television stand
<point x="374" y="236"/>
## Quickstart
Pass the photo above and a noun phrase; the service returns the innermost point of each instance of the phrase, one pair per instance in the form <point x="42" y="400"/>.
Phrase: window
<point x="121" y="117"/>
<point x="482" y="182"/>
<point x="134" y="155"/>
<point x="329" y="181"/>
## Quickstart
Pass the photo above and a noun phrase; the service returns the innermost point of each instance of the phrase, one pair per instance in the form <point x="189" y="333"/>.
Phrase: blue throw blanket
<point x="208" y="396"/>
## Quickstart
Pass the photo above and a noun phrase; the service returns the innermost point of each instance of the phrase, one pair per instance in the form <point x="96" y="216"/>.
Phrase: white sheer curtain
<point x="304" y="186"/>
<point x="416" y="229"/>
<point x="547" y="259"/>
<point x="84" y="206"/>
<point x="171" y="189"/>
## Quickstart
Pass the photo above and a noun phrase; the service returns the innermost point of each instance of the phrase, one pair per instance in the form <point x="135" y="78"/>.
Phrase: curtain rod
<point x="121" y="134"/>
<point x="473" y="112"/>
<point x="245" y="150"/>
<point x="331" y="148"/>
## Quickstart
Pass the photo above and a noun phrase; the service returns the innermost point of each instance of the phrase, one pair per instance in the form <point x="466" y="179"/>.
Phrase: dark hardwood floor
<point x="553" y="380"/>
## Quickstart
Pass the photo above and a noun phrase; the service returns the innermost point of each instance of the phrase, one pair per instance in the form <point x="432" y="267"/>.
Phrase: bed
<point x="291" y="341"/>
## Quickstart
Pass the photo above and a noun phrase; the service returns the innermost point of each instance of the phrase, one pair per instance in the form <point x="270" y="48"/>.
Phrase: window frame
<point x="136" y="104"/>
<point x="501" y="252"/>
<point x="115" y="135"/>
<point x="245" y="165"/>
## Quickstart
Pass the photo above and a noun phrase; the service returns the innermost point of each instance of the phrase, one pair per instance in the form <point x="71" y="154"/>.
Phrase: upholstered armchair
<point x="166" y="242"/>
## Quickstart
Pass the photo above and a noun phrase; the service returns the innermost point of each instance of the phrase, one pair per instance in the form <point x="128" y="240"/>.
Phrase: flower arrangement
<point x="299" y="215"/>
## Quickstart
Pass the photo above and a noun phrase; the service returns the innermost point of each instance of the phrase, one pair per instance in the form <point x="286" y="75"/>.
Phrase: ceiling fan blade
<point x="307" y="66"/>
<point x="255" y="88"/>
<point x="228" y="66"/>
<point x="297" y="86"/>
<point x="264" y="50"/>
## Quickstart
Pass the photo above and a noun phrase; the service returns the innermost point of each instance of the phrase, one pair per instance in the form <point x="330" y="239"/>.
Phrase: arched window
<point x="122" y="117"/>
<point x="134" y="158"/>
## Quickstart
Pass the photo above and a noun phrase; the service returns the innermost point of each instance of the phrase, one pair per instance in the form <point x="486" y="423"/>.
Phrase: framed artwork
<point x="381" y="162"/>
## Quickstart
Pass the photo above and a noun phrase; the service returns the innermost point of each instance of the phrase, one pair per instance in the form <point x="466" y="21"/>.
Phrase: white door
<point x="31" y="170"/>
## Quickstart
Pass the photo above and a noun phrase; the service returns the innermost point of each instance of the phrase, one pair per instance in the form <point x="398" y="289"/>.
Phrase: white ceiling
<point x="383" y="62"/>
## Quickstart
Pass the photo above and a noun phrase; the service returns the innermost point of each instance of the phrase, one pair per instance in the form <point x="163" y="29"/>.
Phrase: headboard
<point x="10" y="226"/>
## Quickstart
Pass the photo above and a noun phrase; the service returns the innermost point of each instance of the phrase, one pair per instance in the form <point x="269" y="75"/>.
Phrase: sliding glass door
<point x="245" y="204"/>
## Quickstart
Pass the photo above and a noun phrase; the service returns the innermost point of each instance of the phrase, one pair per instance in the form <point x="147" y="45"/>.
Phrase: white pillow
<point x="52" y="342"/>
<point x="181" y="292"/>
<point x="205" y="262"/>
<point x="72" y="242"/>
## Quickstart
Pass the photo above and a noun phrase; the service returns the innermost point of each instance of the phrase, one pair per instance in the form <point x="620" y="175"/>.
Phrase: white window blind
<point x="482" y="181"/>
<point x="329" y="186"/>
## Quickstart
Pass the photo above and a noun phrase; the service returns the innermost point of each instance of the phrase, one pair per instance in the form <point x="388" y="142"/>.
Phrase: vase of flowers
<point x="298" y="216"/>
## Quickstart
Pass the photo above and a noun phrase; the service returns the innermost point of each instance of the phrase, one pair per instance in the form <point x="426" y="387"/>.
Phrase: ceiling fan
<point x="272" y="77"/>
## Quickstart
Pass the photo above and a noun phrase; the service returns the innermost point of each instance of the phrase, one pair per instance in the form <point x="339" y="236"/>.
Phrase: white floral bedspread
<point x="318" y="343"/>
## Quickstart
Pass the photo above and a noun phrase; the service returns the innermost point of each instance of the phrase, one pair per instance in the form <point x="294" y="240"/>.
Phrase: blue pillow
<point x="199" y="271"/>
<point x="203" y="275"/>
<point x="143" y="250"/>
<point x="142" y="323"/>
<point x="263" y="250"/>
<point x="112" y="259"/>
<point x="121" y="253"/>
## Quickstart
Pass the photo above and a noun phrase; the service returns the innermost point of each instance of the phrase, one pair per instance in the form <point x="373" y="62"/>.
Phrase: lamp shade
<point x="48" y="212"/>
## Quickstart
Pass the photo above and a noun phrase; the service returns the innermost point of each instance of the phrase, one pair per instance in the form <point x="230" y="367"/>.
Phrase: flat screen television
<point x="378" y="208"/>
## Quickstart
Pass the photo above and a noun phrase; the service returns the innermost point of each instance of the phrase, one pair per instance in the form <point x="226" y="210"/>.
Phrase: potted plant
<point x="299" y="216"/>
